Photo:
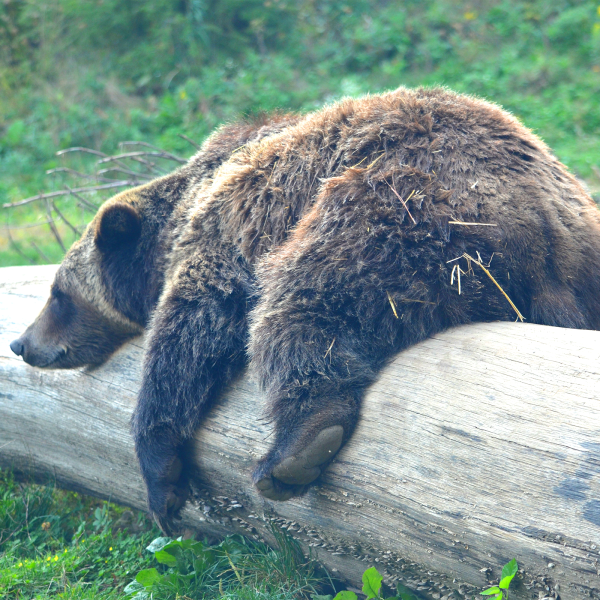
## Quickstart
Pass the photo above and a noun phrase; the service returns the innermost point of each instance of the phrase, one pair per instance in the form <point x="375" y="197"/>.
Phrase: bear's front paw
<point x="168" y="491"/>
<point x="285" y="473"/>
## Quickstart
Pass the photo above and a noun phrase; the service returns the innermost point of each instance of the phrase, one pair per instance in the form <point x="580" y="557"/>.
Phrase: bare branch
<point x="65" y="220"/>
<point x="95" y="176"/>
<point x="16" y="248"/>
<point x="53" y="228"/>
<point x="27" y="226"/>
<point x="137" y="157"/>
<point x="83" y="202"/>
<point x="187" y="139"/>
<point x="94" y="188"/>
<point x="41" y="253"/>
<point x="88" y="151"/>
<point x="160" y="152"/>
<point x="80" y="149"/>
<point x="144" y="176"/>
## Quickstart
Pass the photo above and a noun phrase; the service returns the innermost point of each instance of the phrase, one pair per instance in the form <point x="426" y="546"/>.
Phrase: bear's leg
<point x="196" y="345"/>
<point x="324" y="326"/>
<point x="314" y="363"/>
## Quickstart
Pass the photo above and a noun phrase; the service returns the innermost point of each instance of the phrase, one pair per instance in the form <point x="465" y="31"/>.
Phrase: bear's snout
<point x="34" y="354"/>
<point x="17" y="347"/>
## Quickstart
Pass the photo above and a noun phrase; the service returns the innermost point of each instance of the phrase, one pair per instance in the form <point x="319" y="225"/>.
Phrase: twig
<point x="160" y="152"/>
<point x="80" y="149"/>
<point x="16" y="247"/>
<point x="88" y="151"/>
<point x="53" y="228"/>
<point x="27" y="226"/>
<point x="95" y="188"/>
<point x="41" y="253"/>
<point x="65" y="220"/>
<point x="187" y="139"/>
<point x="83" y="202"/>
<point x="136" y="157"/>
<point x="77" y="174"/>
<point x="144" y="176"/>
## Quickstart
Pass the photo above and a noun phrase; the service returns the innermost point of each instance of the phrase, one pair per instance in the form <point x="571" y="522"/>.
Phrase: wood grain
<point x="479" y="445"/>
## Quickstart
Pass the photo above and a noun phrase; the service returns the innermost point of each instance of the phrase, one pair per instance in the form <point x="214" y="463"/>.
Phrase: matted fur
<point x="319" y="246"/>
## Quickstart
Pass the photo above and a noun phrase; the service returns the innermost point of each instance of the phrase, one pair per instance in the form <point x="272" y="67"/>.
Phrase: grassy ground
<point x="96" y="74"/>
<point x="57" y="544"/>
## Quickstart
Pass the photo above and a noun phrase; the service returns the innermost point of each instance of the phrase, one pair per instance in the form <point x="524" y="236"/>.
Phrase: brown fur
<point x="321" y="247"/>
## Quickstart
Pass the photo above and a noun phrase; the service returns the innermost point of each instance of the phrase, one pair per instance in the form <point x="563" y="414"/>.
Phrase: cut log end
<point x="479" y="445"/>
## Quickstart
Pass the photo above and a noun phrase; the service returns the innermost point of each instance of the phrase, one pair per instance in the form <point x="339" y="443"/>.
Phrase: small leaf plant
<point x="500" y="591"/>
<point x="372" y="589"/>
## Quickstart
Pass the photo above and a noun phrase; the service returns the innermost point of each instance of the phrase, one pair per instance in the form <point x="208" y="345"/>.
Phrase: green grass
<point x="95" y="74"/>
<point x="58" y="544"/>
<point x="61" y="545"/>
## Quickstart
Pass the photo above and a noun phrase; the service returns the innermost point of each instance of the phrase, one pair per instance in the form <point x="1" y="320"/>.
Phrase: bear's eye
<point x="56" y="293"/>
<point x="61" y="307"/>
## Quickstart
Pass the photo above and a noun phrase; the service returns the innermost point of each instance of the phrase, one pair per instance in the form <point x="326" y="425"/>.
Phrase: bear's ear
<point x="119" y="224"/>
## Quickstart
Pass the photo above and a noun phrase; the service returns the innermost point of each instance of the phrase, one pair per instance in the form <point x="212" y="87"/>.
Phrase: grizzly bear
<point x="315" y="248"/>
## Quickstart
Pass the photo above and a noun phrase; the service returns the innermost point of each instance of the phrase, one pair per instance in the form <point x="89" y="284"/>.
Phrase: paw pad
<point x="289" y="477"/>
<point x="304" y="467"/>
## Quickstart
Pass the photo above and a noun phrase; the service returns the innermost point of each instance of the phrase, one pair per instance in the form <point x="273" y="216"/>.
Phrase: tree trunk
<point x="479" y="445"/>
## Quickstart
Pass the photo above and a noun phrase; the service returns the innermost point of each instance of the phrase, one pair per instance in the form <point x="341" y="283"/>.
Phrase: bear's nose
<point x="17" y="347"/>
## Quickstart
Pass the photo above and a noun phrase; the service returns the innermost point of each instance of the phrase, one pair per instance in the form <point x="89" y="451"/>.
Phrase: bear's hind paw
<point x="289" y="477"/>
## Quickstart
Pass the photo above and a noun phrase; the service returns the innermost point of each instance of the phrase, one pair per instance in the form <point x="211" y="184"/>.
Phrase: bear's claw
<point x="274" y="490"/>
<point x="166" y="518"/>
<point x="290" y="476"/>
<point x="167" y="495"/>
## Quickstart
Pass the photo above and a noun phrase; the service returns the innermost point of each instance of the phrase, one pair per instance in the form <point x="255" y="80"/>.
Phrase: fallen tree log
<point x="479" y="445"/>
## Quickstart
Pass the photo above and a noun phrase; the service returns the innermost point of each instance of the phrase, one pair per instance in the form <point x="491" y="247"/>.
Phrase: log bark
<point x="479" y="445"/>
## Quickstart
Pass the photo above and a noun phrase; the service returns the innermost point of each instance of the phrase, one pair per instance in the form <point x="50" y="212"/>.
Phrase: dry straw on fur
<point x="479" y="263"/>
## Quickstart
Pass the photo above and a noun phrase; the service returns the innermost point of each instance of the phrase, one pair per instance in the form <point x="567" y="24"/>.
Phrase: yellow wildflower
<point x="110" y="549"/>
<point x="470" y="15"/>
<point x="20" y="564"/>
<point x="55" y="558"/>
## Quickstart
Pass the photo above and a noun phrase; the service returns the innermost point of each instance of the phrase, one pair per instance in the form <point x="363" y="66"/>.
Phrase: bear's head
<point x="89" y="315"/>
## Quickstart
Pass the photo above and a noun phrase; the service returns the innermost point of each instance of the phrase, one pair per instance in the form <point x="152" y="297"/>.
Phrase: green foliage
<point x="343" y="595"/>
<point x="372" y="589"/>
<point x="235" y="568"/>
<point x="500" y="591"/>
<point x="509" y="570"/>
<point x="371" y="583"/>
<point x="54" y="543"/>
<point x="86" y="73"/>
